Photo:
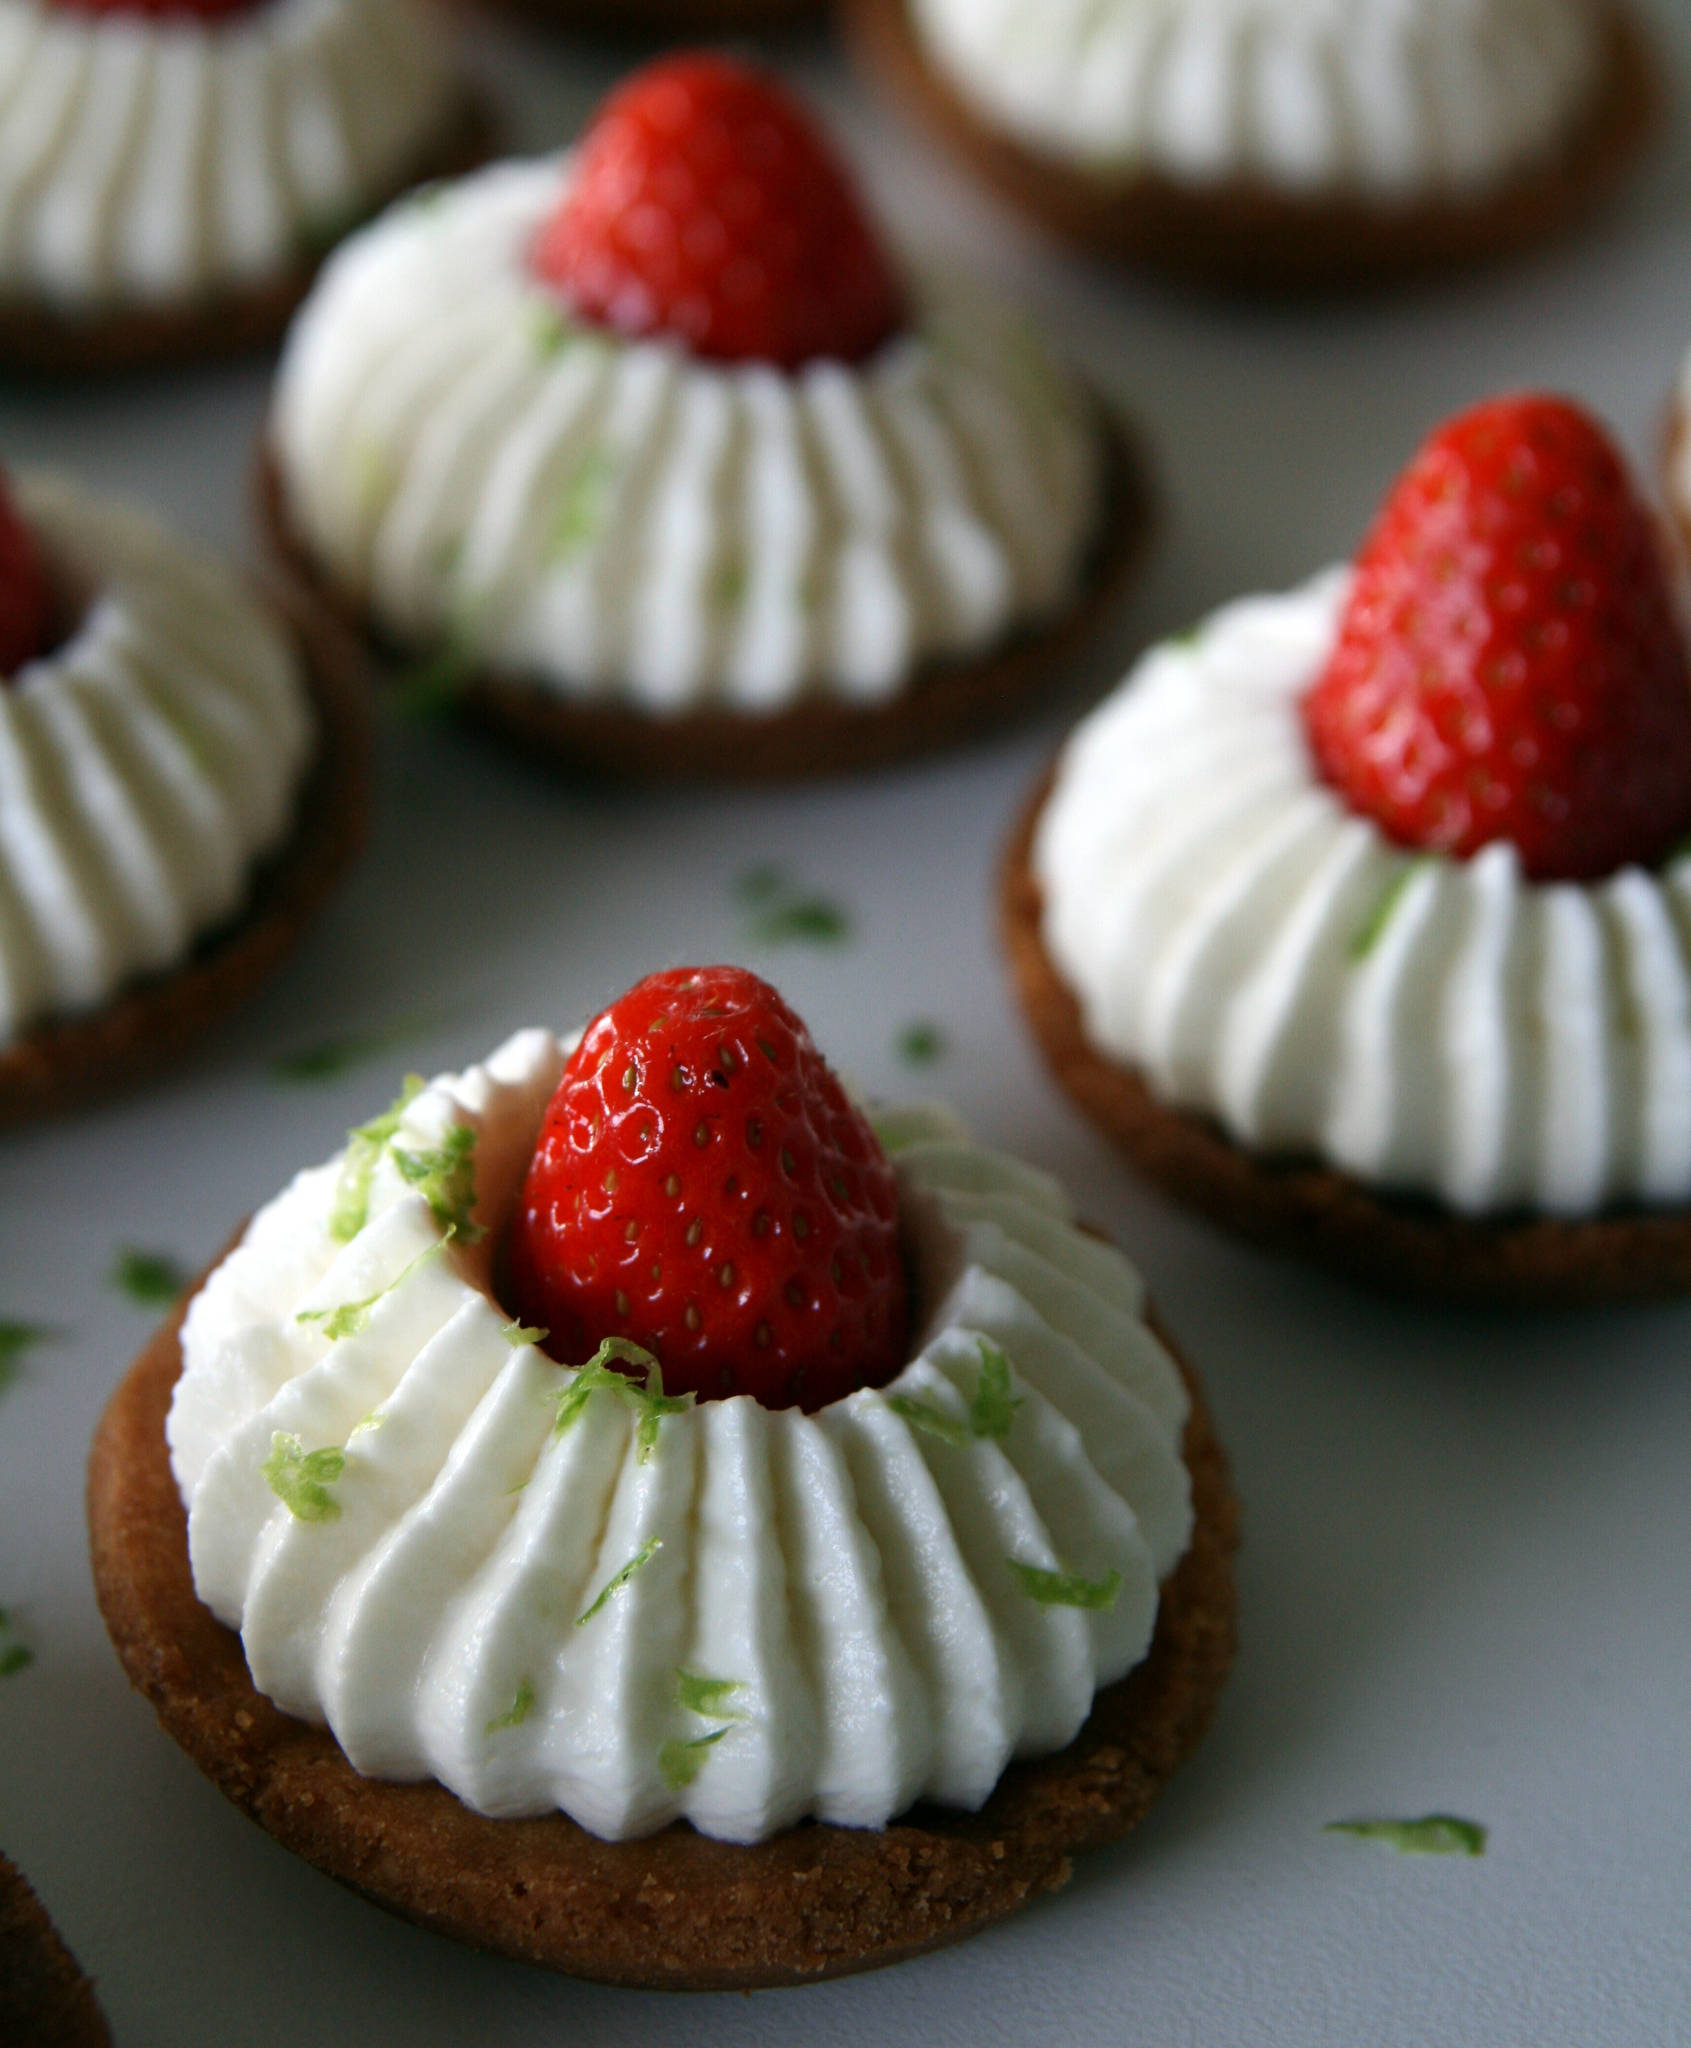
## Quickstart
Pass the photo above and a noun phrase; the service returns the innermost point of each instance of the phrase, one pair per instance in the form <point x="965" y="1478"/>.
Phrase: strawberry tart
<point x="182" y="779"/>
<point x="172" y="170"/>
<point x="650" y="452"/>
<point x="637" y="1510"/>
<point x="1279" y="143"/>
<point x="1361" y="916"/>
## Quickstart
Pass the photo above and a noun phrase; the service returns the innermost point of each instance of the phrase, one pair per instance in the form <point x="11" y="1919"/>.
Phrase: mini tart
<point x="112" y="259"/>
<point x="630" y="643"/>
<point x="1409" y="1043"/>
<point x="1242" y="232"/>
<point x="45" y="2000"/>
<point x="146" y="795"/>
<point x="697" y="1903"/>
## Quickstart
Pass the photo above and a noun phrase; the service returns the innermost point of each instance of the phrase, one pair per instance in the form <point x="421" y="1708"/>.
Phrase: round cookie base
<point x="1398" y="1244"/>
<point x="1242" y="235"/>
<point x="676" y="1911"/>
<point x="64" y="1063"/>
<point x="1676" y="469"/>
<point x="237" y="322"/>
<point x="45" y="2000"/>
<point x="949" y="702"/>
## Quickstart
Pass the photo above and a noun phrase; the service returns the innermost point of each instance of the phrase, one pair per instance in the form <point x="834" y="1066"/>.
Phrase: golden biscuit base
<point x="676" y="1911"/>
<point x="67" y="1061"/>
<point x="1394" y="1242"/>
<point x="36" y="339"/>
<point x="1243" y="235"/>
<point x="949" y="702"/>
<point x="45" y="2000"/>
<point x="1676" y="450"/>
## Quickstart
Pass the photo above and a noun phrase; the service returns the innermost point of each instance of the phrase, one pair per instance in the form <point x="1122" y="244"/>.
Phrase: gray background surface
<point x="1465" y="1581"/>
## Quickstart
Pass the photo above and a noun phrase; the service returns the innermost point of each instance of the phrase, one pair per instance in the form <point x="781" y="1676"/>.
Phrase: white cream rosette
<point x="552" y="1588"/>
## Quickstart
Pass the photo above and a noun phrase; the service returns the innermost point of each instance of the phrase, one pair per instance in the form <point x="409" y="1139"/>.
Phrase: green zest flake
<point x="920" y="1044"/>
<point x="990" y="1415"/>
<point x="785" y="915"/>
<point x="445" y="1176"/>
<point x="153" y="1279"/>
<point x="551" y="330"/>
<point x="15" y="1340"/>
<point x="15" y="1655"/>
<point x="1372" y="928"/>
<point x="520" y="1335"/>
<point x="1065" y="1589"/>
<point x="300" y="1479"/>
<point x="352" y="1318"/>
<point x="581" y="505"/>
<point x="728" y="585"/>
<point x="435" y="683"/>
<point x="614" y="1585"/>
<point x="518" y="1712"/>
<point x="648" y="1401"/>
<point x="1435" y="1834"/>
<point x="681" y="1762"/>
<point x="364" y="1148"/>
<point x="708" y="1696"/>
<point x="993" y="1409"/>
<point x="329" y="1058"/>
<point x="950" y="1429"/>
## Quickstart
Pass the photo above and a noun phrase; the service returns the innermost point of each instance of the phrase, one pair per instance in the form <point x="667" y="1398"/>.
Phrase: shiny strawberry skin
<point x="703" y="1187"/>
<point x="705" y="205"/>
<point x="26" y="597"/>
<point x="1511" y="664"/>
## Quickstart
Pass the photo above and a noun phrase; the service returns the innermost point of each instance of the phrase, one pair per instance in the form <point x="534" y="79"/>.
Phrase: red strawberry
<point x="705" y="205"/>
<point x="1511" y="664"/>
<point x="703" y="1186"/>
<point x="26" y="597"/>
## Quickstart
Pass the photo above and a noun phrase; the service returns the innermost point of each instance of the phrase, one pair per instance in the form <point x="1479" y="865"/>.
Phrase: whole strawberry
<point x="1511" y="664"/>
<point x="26" y="598"/>
<point x="705" y="205"/>
<point x="703" y="1187"/>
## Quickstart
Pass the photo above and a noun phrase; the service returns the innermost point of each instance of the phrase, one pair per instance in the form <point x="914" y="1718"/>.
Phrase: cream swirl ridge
<point x="145" y="765"/>
<point x="552" y="1592"/>
<point x="1397" y="99"/>
<point x="148" y="161"/>
<point x="1266" y="956"/>
<point x="614" y="520"/>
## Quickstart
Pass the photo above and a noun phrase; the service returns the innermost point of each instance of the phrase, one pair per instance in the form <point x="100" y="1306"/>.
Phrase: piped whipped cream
<point x="151" y="161"/>
<point x="1392" y="99"/>
<point x="552" y="1593"/>
<point x="614" y="520"/>
<point x="146" y="764"/>
<point x="1265" y="955"/>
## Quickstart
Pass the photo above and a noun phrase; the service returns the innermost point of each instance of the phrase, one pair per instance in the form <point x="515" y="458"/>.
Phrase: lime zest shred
<point x="581" y="505"/>
<point x="992" y="1412"/>
<point x="365" y="1144"/>
<point x="152" y="1279"/>
<point x="329" y="1058"/>
<point x="1066" y="1589"/>
<point x="681" y="1760"/>
<point x="445" y="1176"/>
<point x="950" y="1429"/>
<point x="519" y="1710"/>
<point x="620" y="1578"/>
<point x="300" y="1479"/>
<point x="1434" y="1834"/>
<point x="921" y="1043"/>
<point x="17" y="1339"/>
<point x="707" y="1697"/>
<point x="15" y="1653"/>
<point x="519" y="1335"/>
<point x="646" y="1398"/>
<point x="352" y="1318"/>
<point x="1372" y="929"/>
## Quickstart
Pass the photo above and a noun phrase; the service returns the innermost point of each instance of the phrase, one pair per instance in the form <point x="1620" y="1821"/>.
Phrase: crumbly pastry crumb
<point x="45" y="2000"/>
